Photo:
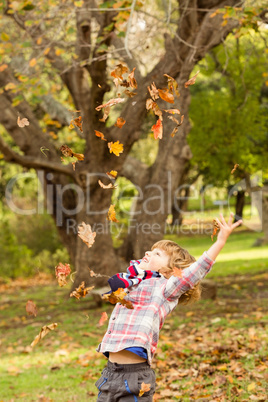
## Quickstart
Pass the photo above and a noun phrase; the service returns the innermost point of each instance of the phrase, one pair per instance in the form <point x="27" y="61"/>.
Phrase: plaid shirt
<point x="153" y="299"/>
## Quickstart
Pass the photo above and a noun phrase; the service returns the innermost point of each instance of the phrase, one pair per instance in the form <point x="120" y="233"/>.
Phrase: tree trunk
<point x="265" y="216"/>
<point x="239" y="206"/>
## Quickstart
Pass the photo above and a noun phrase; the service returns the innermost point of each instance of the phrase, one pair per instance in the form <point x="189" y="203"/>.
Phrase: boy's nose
<point x="147" y="253"/>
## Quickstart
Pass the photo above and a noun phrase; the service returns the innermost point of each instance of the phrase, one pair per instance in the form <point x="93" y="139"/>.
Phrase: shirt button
<point x="109" y="332"/>
<point x="113" y="318"/>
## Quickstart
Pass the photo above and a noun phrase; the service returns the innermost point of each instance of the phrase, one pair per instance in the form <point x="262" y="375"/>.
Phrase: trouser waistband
<point x="127" y="367"/>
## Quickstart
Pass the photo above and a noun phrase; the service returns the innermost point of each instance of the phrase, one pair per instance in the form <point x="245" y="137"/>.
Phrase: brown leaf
<point x="22" y="122"/>
<point x="172" y="85"/>
<point x="153" y="91"/>
<point x="62" y="271"/>
<point x="165" y="95"/>
<point x="191" y="81"/>
<point x="81" y="291"/>
<point x="172" y="111"/>
<point x="106" y="112"/>
<point x="174" y="119"/>
<point x="150" y="104"/>
<point x="31" y="308"/>
<point x="44" y="331"/>
<point x="120" y="122"/>
<point x="108" y="186"/>
<point x="129" y="93"/>
<point x="118" y="297"/>
<point x="85" y="233"/>
<point x="69" y="153"/>
<point x="104" y="317"/>
<point x="234" y="168"/>
<point x="99" y="134"/>
<point x="110" y="103"/>
<point x="216" y="227"/>
<point x="132" y="80"/>
<point x="158" y="129"/>
<point x="76" y="122"/>
<point x="144" y="388"/>
<point x="111" y="214"/>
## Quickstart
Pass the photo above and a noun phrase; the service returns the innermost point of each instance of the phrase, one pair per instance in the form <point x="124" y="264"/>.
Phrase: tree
<point x="58" y="56"/>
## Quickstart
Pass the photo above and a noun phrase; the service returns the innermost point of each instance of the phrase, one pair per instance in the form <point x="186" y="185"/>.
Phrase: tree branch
<point x="31" y="162"/>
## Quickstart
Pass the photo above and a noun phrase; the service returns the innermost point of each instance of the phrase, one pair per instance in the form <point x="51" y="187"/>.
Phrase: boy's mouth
<point x="145" y="259"/>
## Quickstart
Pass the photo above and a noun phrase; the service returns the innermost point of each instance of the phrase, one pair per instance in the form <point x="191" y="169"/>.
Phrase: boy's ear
<point x="166" y="272"/>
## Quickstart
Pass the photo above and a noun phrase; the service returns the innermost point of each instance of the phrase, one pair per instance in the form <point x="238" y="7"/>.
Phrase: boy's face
<point x="154" y="260"/>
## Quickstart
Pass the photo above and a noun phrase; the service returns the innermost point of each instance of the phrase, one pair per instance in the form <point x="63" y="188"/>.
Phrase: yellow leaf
<point x="32" y="62"/>
<point x="46" y="51"/>
<point x="4" y="36"/>
<point x="10" y="85"/>
<point x="115" y="147"/>
<point x="58" y="52"/>
<point x="251" y="386"/>
<point x="111" y="214"/>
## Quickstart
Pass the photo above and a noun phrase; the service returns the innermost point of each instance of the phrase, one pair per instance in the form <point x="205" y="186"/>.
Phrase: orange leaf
<point x="3" y="67"/>
<point x="32" y="62"/>
<point x="104" y="317"/>
<point x="68" y="152"/>
<point x="120" y="122"/>
<point x="234" y="168"/>
<point x="111" y="214"/>
<point x="99" y="134"/>
<point x="118" y="297"/>
<point x="132" y="80"/>
<point x="158" y="129"/>
<point x="172" y="85"/>
<point x="115" y="147"/>
<point x="81" y="291"/>
<point x="118" y="71"/>
<point x="31" y="308"/>
<point x="77" y="122"/>
<point x="191" y="81"/>
<point x="216" y="227"/>
<point x="85" y="233"/>
<point x="22" y="122"/>
<point x="144" y="388"/>
<point x="165" y="95"/>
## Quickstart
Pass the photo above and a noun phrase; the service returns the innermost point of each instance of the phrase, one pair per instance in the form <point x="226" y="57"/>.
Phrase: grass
<point x="214" y="348"/>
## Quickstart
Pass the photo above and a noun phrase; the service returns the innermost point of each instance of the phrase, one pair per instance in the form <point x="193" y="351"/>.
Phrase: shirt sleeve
<point x="175" y="286"/>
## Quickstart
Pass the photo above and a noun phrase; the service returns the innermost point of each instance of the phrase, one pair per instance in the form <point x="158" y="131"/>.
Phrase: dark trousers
<point x="122" y="383"/>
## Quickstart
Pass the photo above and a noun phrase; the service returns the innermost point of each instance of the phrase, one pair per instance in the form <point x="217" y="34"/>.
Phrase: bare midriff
<point x="125" y="357"/>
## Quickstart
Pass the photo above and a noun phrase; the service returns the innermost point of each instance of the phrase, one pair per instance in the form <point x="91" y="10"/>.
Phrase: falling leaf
<point x="129" y="93"/>
<point x="174" y="119"/>
<point x="153" y="91"/>
<point x="22" y="122"/>
<point x="165" y="95"/>
<point x="31" y="308"/>
<point x="158" y="129"/>
<point x="104" y="317"/>
<point x="118" y="297"/>
<point x="119" y="70"/>
<point x="111" y="214"/>
<point x="44" y="331"/>
<point x="172" y="111"/>
<point x="99" y="134"/>
<point x="62" y="271"/>
<point x="144" y="388"/>
<point x="177" y="127"/>
<point x="85" y="233"/>
<point x="191" y="81"/>
<point x="76" y="122"/>
<point x="112" y="174"/>
<point x="106" y="112"/>
<point x="234" y="168"/>
<point x="81" y="291"/>
<point x="69" y="153"/>
<point x="115" y="147"/>
<point x="216" y="227"/>
<point x="111" y="102"/>
<point x="132" y="80"/>
<point x="108" y="186"/>
<point x="150" y="104"/>
<point x="120" y="122"/>
<point x="172" y="85"/>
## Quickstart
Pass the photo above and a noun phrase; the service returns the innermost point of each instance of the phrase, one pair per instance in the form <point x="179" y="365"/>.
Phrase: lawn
<point x="213" y="350"/>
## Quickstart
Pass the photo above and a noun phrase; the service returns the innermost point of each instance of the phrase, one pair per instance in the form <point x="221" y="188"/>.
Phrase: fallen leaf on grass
<point x="62" y="271"/>
<point x="104" y="317"/>
<point x="191" y="81"/>
<point x="111" y="216"/>
<point x="85" y="233"/>
<point x="118" y="297"/>
<point x="31" y="308"/>
<point x="144" y="388"/>
<point x="81" y="291"/>
<point x="22" y="122"/>
<point x="44" y="331"/>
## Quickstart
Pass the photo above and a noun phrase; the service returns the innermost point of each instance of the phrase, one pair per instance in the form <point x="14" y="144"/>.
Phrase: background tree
<point x="58" y="56"/>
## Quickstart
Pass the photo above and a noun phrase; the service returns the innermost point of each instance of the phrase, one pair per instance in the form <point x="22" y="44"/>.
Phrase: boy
<point x="131" y="339"/>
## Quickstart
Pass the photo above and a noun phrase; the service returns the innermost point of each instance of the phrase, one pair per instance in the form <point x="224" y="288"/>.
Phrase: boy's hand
<point x="226" y="228"/>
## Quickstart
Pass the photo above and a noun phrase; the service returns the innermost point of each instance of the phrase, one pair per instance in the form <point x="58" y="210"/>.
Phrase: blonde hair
<point x="180" y="258"/>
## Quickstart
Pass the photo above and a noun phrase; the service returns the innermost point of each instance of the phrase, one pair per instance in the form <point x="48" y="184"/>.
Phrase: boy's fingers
<point x="219" y="222"/>
<point x="231" y="217"/>
<point x="237" y="224"/>
<point x="222" y="219"/>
